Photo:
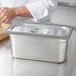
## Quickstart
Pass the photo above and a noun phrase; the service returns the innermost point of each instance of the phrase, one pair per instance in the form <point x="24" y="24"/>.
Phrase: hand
<point x="6" y="14"/>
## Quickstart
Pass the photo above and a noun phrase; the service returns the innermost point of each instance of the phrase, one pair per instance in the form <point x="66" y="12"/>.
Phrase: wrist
<point x="21" y="11"/>
<point x="18" y="11"/>
<point x="14" y="11"/>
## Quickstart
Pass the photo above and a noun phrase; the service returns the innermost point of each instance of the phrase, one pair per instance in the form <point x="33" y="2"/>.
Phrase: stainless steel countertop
<point x="17" y="67"/>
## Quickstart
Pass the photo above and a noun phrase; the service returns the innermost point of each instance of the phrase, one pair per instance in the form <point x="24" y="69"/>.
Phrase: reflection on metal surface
<point x="34" y="68"/>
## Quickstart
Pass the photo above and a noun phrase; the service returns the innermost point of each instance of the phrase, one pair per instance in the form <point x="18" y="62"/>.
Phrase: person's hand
<point x="6" y="14"/>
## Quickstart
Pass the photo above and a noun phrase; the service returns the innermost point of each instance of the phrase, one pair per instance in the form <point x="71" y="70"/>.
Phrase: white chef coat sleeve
<point x="39" y="8"/>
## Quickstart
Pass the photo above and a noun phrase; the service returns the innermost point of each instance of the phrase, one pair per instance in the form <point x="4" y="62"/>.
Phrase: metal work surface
<point x="17" y="67"/>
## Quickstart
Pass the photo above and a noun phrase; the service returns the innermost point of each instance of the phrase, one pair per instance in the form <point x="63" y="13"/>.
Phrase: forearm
<point x="22" y="11"/>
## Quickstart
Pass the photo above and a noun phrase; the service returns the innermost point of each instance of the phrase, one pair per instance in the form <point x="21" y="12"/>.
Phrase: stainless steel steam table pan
<point x="43" y="42"/>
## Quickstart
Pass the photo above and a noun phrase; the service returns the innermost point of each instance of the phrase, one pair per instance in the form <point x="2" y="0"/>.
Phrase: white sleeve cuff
<point x="37" y="9"/>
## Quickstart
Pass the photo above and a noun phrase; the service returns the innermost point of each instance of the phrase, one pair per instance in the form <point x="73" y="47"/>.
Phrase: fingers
<point x="4" y="15"/>
<point x="1" y="13"/>
<point x="3" y="19"/>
